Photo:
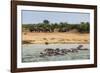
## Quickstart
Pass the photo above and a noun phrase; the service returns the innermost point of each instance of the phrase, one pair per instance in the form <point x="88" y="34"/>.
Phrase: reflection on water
<point x="31" y="52"/>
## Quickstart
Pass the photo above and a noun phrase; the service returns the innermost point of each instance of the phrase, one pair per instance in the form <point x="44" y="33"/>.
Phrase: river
<point x="31" y="52"/>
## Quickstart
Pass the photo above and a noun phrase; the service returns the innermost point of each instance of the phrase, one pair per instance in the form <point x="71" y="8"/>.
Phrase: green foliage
<point x="84" y="27"/>
<point x="46" y="26"/>
<point x="46" y="22"/>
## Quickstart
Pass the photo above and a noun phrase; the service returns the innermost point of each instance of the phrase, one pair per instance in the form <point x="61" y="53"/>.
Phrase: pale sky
<point x="31" y="17"/>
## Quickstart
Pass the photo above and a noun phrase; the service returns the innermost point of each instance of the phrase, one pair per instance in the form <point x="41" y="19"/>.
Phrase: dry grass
<point x="55" y="37"/>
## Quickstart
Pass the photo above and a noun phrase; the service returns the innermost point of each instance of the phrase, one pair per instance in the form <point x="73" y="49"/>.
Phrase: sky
<point x="31" y="17"/>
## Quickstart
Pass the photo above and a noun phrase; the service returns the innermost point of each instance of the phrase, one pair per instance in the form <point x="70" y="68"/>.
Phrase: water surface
<point x="31" y="52"/>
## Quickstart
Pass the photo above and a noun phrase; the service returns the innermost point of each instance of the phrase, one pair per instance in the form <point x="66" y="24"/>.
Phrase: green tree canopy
<point x="46" y="22"/>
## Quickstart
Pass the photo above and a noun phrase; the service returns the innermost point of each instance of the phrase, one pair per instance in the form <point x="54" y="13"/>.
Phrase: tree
<point x="46" y="26"/>
<point x="46" y="22"/>
<point x="84" y="27"/>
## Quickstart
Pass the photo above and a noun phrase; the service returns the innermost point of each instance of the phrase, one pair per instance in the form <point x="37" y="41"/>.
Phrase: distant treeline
<point x="46" y="26"/>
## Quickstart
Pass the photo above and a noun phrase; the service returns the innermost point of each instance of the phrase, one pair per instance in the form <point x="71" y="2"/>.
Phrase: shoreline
<point x="73" y="42"/>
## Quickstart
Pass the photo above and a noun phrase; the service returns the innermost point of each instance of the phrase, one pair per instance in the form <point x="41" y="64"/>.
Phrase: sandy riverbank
<point x="54" y="38"/>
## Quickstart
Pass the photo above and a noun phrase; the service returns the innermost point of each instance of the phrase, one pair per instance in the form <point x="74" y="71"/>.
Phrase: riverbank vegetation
<point x="46" y="26"/>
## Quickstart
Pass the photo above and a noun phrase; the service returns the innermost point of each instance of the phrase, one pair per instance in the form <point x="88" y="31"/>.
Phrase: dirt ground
<point x="55" y="37"/>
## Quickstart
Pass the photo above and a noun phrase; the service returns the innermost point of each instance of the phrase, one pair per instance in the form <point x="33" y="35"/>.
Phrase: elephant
<point x="42" y="54"/>
<point x="73" y="50"/>
<point x="49" y="51"/>
<point x="79" y="47"/>
<point x="57" y="51"/>
<point x="64" y="51"/>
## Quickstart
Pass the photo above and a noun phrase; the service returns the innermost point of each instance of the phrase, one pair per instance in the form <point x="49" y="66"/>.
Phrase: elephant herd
<point x="58" y="51"/>
<point x="40" y="30"/>
<point x="48" y="30"/>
